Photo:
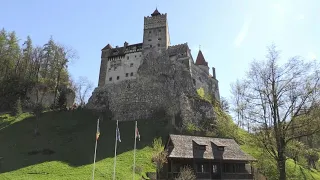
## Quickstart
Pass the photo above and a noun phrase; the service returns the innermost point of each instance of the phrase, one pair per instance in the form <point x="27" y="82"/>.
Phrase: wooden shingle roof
<point x="183" y="147"/>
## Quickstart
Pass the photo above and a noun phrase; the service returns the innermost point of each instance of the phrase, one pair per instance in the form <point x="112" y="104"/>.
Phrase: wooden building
<point x="210" y="158"/>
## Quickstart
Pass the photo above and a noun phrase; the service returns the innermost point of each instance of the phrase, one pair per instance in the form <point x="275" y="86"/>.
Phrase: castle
<point x="136" y="80"/>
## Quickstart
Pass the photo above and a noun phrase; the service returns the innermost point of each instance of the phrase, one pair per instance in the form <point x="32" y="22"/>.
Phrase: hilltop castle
<point x="137" y="80"/>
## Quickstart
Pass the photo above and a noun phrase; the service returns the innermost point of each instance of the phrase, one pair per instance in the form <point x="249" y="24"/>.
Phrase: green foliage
<point x="20" y="71"/>
<point x="17" y="110"/>
<point x="191" y="128"/>
<point x="62" y="100"/>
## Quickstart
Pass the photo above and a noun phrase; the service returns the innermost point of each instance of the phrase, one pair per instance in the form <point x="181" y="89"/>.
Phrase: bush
<point x="17" y="109"/>
<point x="186" y="173"/>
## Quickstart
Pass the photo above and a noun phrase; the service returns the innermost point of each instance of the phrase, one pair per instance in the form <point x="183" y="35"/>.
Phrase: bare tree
<point x="83" y="87"/>
<point x="224" y="104"/>
<point x="277" y="94"/>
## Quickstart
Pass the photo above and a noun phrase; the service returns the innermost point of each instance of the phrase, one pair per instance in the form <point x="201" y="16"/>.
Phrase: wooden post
<point x="210" y="168"/>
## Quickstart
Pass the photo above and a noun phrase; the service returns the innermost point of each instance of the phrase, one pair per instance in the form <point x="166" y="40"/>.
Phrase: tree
<point x="186" y="173"/>
<point x="224" y="105"/>
<point x="159" y="157"/>
<point x="83" y="86"/>
<point x="277" y="95"/>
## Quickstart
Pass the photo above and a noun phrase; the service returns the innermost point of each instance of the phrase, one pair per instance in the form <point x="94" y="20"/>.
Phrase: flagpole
<point x="95" y="153"/>
<point x="134" y="150"/>
<point x="115" y="155"/>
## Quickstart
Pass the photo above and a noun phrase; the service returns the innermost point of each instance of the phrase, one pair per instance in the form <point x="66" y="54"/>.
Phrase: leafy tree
<point x="159" y="157"/>
<point x="277" y="95"/>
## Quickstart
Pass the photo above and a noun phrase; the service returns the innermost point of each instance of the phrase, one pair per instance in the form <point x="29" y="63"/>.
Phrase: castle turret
<point x="105" y="52"/>
<point x="201" y="62"/>
<point x="156" y="31"/>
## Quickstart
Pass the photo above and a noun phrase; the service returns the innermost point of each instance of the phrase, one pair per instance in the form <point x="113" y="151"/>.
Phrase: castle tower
<point x="156" y="32"/>
<point x="202" y="63"/>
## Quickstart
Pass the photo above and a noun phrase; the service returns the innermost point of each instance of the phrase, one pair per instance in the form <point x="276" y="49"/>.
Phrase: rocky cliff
<point x="162" y="86"/>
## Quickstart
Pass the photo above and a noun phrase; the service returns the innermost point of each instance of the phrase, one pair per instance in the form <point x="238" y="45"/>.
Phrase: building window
<point x="158" y="45"/>
<point x="131" y="65"/>
<point x="159" y="39"/>
<point x="118" y="77"/>
<point x="150" y="45"/>
<point x="110" y="78"/>
<point x="159" y="30"/>
<point x="202" y="147"/>
<point x="214" y="168"/>
<point x="127" y="57"/>
<point x="149" y="32"/>
<point x="109" y="69"/>
<point x="127" y="74"/>
<point x="202" y="168"/>
<point x="135" y="56"/>
<point x="115" y="68"/>
<point x="220" y="148"/>
<point x="149" y="39"/>
<point x="131" y="74"/>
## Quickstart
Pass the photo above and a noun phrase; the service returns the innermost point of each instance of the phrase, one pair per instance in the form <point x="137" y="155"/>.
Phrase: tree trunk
<point x="281" y="159"/>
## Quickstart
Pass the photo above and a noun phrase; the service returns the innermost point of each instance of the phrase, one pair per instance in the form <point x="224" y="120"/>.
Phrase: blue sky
<point x="231" y="32"/>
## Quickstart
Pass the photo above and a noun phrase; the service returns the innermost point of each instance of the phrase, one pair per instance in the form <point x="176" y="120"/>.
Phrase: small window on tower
<point x="149" y="32"/>
<point x="110" y="78"/>
<point x="131" y="65"/>
<point x="159" y="30"/>
<point x="118" y="77"/>
<point x="158" y="45"/>
<point x="159" y="39"/>
<point x="127" y="57"/>
<point x="149" y="39"/>
<point x="150" y="45"/>
<point x="127" y="74"/>
<point x="131" y="74"/>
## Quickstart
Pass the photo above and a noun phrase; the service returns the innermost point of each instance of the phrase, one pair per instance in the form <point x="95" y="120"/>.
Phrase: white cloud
<point x="243" y="32"/>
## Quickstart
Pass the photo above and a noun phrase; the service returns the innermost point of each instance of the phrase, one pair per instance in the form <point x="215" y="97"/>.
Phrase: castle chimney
<point x="125" y="44"/>
<point x="213" y="72"/>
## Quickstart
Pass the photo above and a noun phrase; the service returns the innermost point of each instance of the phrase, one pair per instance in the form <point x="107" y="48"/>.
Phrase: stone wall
<point x="162" y="86"/>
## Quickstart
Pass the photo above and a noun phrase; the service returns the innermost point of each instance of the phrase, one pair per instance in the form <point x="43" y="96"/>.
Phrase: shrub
<point x="186" y="173"/>
<point x="17" y="109"/>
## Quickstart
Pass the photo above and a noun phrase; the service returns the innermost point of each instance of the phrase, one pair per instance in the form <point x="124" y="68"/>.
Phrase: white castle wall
<point x="126" y="67"/>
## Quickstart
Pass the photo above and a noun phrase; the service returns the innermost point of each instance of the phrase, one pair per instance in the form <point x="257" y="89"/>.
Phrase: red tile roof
<point x="200" y="59"/>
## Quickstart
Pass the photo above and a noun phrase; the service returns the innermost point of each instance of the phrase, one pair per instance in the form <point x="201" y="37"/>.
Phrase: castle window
<point x="149" y="32"/>
<point x="127" y="74"/>
<point x="110" y="78"/>
<point x="118" y="77"/>
<point x="150" y="45"/>
<point x="158" y="45"/>
<point x="131" y="74"/>
<point x="149" y="39"/>
<point x="159" y="30"/>
<point x="131" y="65"/>
<point x="115" y="68"/>
<point x="159" y="39"/>
<point x="135" y="56"/>
<point x="127" y="57"/>
<point x="109" y="69"/>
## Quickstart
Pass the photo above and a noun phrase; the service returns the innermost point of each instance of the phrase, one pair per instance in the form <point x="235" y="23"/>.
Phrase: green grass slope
<point x="70" y="136"/>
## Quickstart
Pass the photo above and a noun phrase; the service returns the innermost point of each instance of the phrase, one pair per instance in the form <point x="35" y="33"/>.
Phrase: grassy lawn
<point x="294" y="171"/>
<point x="69" y="137"/>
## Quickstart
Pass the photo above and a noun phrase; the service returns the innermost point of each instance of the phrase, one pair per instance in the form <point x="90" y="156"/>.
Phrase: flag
<point x="137" y="133"/>
<point x="118" y="134"/>
<point x="98" y="131"/>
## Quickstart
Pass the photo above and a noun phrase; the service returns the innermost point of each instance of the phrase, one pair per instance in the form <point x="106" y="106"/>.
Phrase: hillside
<point x="68" y="140"/>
